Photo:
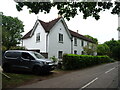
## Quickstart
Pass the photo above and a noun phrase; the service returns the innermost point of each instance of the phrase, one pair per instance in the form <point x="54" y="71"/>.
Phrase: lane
<point x="106" y="80"/>
<point x="77" y="79"/>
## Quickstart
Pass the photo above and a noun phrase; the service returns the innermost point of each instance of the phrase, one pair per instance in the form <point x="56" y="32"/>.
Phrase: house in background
<point x="55" y="39"/>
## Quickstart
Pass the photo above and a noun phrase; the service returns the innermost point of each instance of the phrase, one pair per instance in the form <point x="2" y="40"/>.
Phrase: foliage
<point x="11" y="31"/>
<point x="114" y="46"/>
<point x="94" y="39"/>
<point x="17" y="79"/>
<point x="103" y="49"/>
<point x="4" y="48"/>
<point x="72" y="61"/>
<point x="71" y="9"/>
<point x="116" y="52"/>
<point x="89" y="49"/>
<point x="17" y="48"/>
<point x="54" y="59"/>
<point x="112" y="43"/>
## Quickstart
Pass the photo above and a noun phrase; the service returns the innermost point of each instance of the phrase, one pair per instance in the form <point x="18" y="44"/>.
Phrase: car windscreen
<point x="38" y="55"/>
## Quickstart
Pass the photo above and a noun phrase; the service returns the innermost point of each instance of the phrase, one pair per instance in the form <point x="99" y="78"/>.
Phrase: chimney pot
<point x="77" y="31"/>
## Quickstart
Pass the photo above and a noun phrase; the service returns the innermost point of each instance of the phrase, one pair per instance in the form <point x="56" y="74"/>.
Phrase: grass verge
<point x="18" y="79"/>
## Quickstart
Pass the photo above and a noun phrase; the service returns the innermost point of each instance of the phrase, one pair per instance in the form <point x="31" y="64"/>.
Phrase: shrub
<point x="54" y="59"/>
<point x="17" y="48"/>
<point x="72" y="61"/>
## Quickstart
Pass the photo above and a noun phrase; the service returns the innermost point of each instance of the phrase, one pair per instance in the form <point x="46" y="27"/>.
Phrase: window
<point x="38" y="37"/>
<point x="75" y="52"/>
<point x="82" y="43"/>
<point x="14" y="55"/>
<point x="75" y="41"/>
<point x="87" y="43"/>
<point x="82" y="53"/>
<point x="60" y="38"/>
<point x="27" y="56"/>
<point x="38" y="55"/>
<point x="60" y="54"/>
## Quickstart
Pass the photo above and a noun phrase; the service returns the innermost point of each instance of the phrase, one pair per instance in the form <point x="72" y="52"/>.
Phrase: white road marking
<point x="110" y="70"/>
<point x="89" y="83"/>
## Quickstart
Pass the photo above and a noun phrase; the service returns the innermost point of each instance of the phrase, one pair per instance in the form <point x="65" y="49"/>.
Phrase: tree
<point x="71" y="9"/>
<point x="89" y="49"/>
<point x="103" y="49"/>
<point x="114" y="46"/>
<point x="11" y="31"/>
<point x="116" y="52"/>
<point x="90" y="37"/>
<point x="112" y="43"/>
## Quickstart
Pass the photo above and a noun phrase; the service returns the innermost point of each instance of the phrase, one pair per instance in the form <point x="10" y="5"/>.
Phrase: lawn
<point x="18" y="79"/>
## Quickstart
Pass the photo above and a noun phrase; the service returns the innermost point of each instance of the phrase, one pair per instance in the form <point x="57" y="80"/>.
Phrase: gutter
<point x="47" y="42"/>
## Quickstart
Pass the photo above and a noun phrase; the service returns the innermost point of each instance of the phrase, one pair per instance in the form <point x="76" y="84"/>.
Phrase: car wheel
<point x="37" y="70"/>
<point x="6" y="68"/>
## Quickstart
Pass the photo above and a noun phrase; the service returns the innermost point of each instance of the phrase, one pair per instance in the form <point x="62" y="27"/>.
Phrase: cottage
<point x="54" y="38"/>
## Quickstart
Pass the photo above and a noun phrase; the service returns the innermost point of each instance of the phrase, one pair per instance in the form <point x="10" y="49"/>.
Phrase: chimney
<point x="77" y="31"/>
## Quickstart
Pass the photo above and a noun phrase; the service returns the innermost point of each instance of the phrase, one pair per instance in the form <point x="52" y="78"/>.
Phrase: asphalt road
<point x="101" y="76"/>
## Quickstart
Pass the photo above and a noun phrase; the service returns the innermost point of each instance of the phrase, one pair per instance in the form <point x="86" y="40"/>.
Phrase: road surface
<point x="101" y="76"/>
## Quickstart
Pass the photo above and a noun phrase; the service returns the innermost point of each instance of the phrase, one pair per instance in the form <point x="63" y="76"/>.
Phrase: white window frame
<point x="60" y="38"/>
<point x="37" y="35"/>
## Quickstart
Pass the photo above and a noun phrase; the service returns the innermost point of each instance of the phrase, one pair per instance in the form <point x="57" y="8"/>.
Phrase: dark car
<point x="22" y="60"/>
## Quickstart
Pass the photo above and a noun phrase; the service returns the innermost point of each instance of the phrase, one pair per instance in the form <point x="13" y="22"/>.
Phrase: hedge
<point x="72" y="61"/>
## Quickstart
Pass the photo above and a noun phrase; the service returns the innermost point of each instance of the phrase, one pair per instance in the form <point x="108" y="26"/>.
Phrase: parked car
<point x="22" y="60"/>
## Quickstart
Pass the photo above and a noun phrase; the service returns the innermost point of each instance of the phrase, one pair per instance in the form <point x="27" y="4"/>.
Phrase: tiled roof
<point x="48" y="25"/>
<point x="27" y="35"/>
<point x="75" y="34"/>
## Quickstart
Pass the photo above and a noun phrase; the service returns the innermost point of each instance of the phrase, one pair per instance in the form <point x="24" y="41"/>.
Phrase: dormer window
<point x="37" y="37"/>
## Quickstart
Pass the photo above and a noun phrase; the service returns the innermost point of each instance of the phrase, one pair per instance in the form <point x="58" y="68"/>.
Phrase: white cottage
<point x="54" y="39"/>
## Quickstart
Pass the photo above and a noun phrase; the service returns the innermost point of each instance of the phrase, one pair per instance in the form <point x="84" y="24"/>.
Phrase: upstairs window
<point x="60" y="38"/>
<point x="82" y="43"/>
<point x="75" y="41"/>
<point x="87" y="43"/>
<point x="38" y="37"/>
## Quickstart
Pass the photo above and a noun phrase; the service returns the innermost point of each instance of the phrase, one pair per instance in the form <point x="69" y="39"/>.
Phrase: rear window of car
<point x="12" y="54"/>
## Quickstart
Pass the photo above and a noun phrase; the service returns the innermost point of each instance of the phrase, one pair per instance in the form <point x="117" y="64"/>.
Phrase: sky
<point x="103" y="29"/>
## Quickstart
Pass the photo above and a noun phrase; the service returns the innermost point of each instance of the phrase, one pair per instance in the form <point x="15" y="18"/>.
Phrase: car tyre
<point x="37" y="70"/>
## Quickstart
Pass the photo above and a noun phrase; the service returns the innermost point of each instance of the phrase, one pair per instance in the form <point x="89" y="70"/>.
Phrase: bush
<point x="72" y="61"/>
<point x="17" y="48"/>
<point x="54" y="59"/>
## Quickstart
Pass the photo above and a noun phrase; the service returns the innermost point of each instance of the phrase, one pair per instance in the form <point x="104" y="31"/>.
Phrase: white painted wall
<point x="53" y="41"/>
<point x="31" y="43"/>
<point x="78" y="48"/>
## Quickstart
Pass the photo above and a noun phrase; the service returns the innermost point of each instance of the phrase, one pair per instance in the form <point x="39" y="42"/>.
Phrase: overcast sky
<point x="104" y="29"/>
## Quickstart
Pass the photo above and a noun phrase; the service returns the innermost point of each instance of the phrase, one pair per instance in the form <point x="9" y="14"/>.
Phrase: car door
<point x="27" y="61"/>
